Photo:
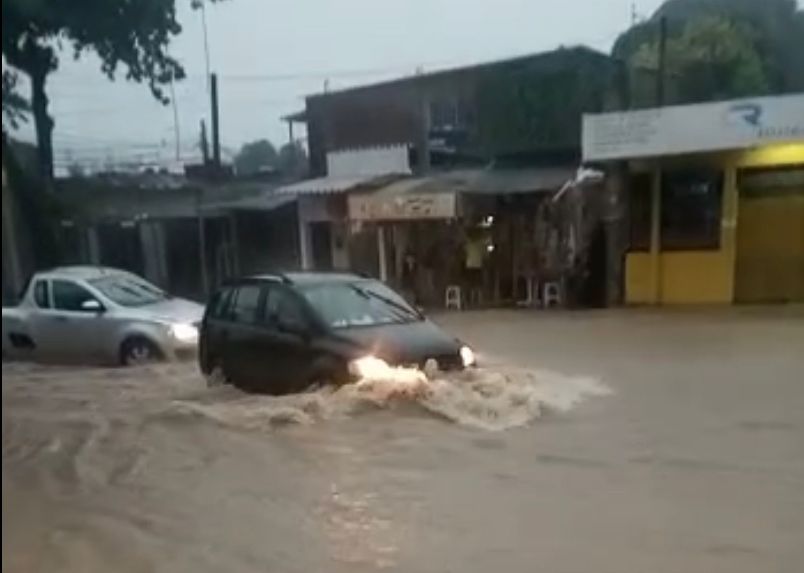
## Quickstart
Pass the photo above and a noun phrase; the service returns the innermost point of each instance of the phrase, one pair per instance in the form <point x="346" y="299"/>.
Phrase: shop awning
<point x="328" y="185"/>
<point x="435" y="196"/>
<point x="263" y="202"/>
<point x="511" y="181"/>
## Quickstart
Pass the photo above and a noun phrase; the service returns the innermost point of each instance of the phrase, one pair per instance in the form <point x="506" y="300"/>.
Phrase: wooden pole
<point x="216" y="138"/>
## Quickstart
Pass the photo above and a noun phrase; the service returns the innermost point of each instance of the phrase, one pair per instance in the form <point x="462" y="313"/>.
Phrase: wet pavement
<point x="639" y="441"/>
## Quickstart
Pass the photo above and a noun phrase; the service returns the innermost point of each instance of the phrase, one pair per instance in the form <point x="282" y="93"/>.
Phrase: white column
<point x="94" y="246"/>
<point x="382" y="253"/>
<point x="304" y="237"/>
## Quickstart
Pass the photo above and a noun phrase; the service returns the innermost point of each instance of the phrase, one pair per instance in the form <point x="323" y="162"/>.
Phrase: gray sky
<point x="269" y="54"/>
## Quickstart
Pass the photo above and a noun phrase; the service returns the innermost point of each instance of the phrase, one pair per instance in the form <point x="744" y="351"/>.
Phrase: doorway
<point x="321" y="243"/>
<point x="770" y="236"/>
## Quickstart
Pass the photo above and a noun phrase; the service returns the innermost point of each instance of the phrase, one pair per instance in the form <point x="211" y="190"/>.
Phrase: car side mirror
<point x="92" y="305"/>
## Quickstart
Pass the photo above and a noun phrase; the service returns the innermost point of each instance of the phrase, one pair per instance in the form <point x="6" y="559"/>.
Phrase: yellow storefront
<point x="716" y="199"/>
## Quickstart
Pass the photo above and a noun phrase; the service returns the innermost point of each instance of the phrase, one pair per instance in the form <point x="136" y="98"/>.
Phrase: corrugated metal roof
<point x="484" y="181"/>
<point x="267" y="201"/>
<point x="331" y="185"/>
<point x="530" y="180"/>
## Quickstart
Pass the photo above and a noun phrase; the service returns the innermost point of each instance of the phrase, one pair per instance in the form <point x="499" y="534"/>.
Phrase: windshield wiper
<point x="399" y="307"/>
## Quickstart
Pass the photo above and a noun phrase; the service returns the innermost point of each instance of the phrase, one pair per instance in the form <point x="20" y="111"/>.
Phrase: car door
<point x="288" y="335"/>
<point x="239" y="337"/>
<point x="70" y="329"/>
<point x="40" y="319"/>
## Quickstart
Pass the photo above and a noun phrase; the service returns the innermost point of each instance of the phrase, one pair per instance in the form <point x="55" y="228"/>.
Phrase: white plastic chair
<point x="454" y="298"/>
<point x="552" y="294"/>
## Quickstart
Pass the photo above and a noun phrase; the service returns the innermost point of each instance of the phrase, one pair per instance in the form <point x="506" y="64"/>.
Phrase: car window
<point x="246" y="306"/>
<point x="359" y="304"/>
<point x="70" y="296"/>
<point x="42" y="294"/>
<point x="281" y="307"/>
<point x="220" y="303"/>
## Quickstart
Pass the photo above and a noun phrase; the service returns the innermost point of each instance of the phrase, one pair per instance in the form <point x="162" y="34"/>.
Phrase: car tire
<point x="323" y="374"/>
<point x="139" y="351"/>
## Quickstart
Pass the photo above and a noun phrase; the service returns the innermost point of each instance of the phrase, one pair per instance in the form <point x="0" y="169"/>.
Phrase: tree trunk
<point x="44" y="126"/>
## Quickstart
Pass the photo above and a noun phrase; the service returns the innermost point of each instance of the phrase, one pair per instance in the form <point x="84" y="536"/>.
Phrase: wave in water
<point x="487" y="399"/>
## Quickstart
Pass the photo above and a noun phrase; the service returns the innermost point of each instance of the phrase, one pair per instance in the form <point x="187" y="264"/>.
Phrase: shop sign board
<point x="701" y="128"/>
<point x="402" y="207"/>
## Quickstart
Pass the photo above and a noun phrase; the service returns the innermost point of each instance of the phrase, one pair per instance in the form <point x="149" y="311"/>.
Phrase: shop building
<point x="715" y="199"/>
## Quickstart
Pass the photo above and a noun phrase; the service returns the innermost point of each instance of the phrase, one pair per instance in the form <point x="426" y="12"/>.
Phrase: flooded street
<point x="608" y="442"/>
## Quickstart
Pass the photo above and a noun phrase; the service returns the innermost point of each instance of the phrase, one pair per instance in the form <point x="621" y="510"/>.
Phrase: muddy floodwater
<point x="608" y="442"/>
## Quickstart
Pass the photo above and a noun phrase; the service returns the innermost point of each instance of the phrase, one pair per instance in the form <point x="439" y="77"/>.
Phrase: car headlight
<point x="369" y="367"/>
<point x="184" y="332"/>
<point x="468" y="357"/>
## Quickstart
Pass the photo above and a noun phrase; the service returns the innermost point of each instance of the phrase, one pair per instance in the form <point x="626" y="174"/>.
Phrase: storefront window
<point x="692" y="203"/>
<point x="639" y="190"/>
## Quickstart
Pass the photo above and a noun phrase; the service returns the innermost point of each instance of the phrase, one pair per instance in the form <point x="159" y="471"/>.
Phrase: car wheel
<point x="139" y="351"/>
<point x="326" y="373"/>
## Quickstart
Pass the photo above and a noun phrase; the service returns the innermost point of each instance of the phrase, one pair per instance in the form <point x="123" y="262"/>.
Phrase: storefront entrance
<point x="770" y="236"/>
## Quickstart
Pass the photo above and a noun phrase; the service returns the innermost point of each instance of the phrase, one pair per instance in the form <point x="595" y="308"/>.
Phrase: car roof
<point x="305" y="278"/>
<point x="85" y="273"/>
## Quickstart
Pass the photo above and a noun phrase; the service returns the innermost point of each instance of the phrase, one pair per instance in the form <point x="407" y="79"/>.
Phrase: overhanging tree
<point x="713" y="58"/>
<point x="134" y="34"/>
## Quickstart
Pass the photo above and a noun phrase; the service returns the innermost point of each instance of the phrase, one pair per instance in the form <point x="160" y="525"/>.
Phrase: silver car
<point x="92" y="314"/>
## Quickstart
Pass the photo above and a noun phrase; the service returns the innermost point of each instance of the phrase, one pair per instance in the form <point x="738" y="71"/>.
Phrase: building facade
<point x="716" y="199"/>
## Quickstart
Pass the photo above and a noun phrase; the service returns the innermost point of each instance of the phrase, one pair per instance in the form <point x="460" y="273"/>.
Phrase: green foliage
<point x="762" y="49"/>
<point x="292" y="159"/>
<point x="15" y="106"/>
<point x="712" y="58"/>
<point x="134" y="33"/>
<point x="255" y="157"/>
<point x="540" y="108"/>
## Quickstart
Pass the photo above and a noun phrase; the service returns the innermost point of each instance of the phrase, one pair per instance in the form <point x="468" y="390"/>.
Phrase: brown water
<point x="612" y="442"/>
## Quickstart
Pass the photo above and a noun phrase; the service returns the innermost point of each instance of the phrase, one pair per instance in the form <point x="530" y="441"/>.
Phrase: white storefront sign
<point x="369" y="161"/>
<point x="699" y="128"/>
<point x="403" y="207"/>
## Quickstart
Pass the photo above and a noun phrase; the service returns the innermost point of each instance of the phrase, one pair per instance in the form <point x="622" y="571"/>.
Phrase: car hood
<point x="172" y="310"/>
<point x="415" y="342"/>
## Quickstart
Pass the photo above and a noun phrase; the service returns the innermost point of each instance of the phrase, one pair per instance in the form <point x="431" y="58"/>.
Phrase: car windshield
<point x="364" y="303"/>
<point x="128" y="291"/>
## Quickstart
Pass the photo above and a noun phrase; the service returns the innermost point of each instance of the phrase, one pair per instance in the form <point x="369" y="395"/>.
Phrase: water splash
<point x="491" y="399"/>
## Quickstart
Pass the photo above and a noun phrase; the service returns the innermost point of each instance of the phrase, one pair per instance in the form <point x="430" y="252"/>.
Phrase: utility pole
<point x="204" y="142"/>
<point x="176" y="129"/>
<point x="661" y="72"/>
<point x="216" y="141"/>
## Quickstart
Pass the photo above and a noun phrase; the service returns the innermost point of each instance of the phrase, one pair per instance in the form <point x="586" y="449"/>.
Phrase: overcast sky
<point x="269" y="54"/>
